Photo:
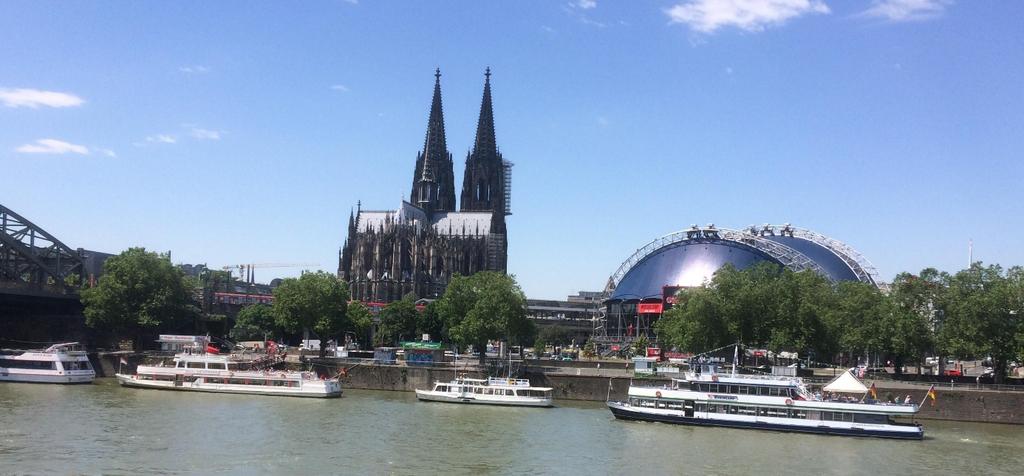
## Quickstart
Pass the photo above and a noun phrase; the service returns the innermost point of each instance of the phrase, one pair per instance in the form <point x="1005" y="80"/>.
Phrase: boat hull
<point x="626" y="412"/>
<point x="42" y="378"/>
<point x="330" y="391"/>
<point x="475" y="399"/>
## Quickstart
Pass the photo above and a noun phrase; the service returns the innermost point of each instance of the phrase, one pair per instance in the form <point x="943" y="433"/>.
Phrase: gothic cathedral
<point x="419" y="247"/>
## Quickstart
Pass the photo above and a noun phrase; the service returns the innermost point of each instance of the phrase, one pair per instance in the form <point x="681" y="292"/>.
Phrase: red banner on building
<point x="649" y="308"/>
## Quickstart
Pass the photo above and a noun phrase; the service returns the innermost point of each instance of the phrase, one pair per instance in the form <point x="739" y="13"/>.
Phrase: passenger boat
<point x="59" y="363"/>
<point x="203" y="372"/>
<point x="766" y="402"/>
<point x="492" y="391"/>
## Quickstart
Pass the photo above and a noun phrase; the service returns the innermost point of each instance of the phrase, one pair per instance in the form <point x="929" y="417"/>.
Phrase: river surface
<point x="103" y="428"/>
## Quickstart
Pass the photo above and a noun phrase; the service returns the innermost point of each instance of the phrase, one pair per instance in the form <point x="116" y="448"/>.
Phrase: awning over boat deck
<point x="845" y="383"/>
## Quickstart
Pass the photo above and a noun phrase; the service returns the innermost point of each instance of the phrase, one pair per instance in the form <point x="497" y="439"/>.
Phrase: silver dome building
<point x="646" y="283"/>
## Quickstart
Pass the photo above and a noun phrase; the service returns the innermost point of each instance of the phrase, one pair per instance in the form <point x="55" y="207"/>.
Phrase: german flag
<point x="931" y="393"/>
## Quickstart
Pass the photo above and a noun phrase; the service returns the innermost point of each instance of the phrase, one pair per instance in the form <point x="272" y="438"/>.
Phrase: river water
<point x="102" y="428"/>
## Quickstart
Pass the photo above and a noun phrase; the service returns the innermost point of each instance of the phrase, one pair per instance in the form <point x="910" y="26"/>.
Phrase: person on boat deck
<point x="907" y="400"/>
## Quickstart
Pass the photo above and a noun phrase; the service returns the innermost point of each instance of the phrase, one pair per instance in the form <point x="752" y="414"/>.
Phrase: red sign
<point x="649" y="308"/>
<point x="758" y="353"/>
<point x="653" y="352"/>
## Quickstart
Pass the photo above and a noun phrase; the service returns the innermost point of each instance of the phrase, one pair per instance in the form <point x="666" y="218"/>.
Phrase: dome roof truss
<point x="786" y="255"/>
<point x="860" y="265"/>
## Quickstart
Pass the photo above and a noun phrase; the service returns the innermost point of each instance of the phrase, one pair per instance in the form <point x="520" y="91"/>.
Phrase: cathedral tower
<point x="485" y="184"/>
<point x="433" y="182"/>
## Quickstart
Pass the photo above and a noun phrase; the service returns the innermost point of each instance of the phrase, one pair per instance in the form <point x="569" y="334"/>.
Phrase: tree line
<point x="974" y="313"/>
<point x="140" y="292"/>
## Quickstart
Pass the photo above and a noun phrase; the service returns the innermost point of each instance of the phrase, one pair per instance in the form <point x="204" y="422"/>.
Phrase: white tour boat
<point x="767" y="402"/>
<point x="60" y="363"/>
<point x="202" y="372"/>
<point x="492" y="391"/>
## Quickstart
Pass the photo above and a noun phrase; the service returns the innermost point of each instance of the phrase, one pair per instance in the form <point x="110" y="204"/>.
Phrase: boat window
<point x="870" y="418"/>
<point x="215" y="365"/>
<point x="801" y="414"/>
<point x="30" y="364"/>
<point x="179" y="364"/>
<point x="195" y="365"/>
<point x="762" y="390"/>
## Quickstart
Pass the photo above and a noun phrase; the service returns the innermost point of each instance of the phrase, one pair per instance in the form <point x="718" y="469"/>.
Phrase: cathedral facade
<point x="421" y="245"/>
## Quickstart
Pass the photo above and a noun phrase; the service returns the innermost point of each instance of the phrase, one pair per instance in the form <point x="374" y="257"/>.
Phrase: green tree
<point x="555" y="334"/>
<point x="983" y="315"/>
<point x="138" y="291"/>
<point x="397" y="322"/>
<point x="696" y="323"/>
<point x="923" y="295"/>
<point x="429" y="322"/>
<point x="315" y="302"/>
<point x="763" y="305"/>
<point x="590" y="350"/>
<point x="640" y="345"/>
<point x="254" y="322"/>
<point x="485" y="306"/>
<point x="539" y="347"/>
<point x="362" y="321"/>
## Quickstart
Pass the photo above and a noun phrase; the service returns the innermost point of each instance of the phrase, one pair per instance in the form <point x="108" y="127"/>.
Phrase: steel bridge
<point x="34" y="262"/>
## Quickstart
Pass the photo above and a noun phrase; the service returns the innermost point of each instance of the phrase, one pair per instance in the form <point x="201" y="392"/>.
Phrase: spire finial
<point x="437" y="75"/>
<point x="488" y="74"/>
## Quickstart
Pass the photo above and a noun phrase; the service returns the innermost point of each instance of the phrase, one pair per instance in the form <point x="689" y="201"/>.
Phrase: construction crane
<point x="247" y="271"/>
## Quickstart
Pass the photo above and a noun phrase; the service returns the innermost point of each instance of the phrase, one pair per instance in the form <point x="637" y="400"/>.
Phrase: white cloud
<point x="53" y="146"/>
<point x="195" y="69"/>
<point x="162" y="139"/>
<point x="706" y="16"/>
<point x="340" y="87"/>
<point x="907" y="10"/>
<point x="205" y="134"/>
<point x="586" y="4"/>
<point x="107" y="152"/>
<point x="34" y="98"/>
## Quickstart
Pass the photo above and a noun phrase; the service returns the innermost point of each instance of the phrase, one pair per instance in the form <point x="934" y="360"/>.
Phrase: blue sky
<point x="235" y="132"/>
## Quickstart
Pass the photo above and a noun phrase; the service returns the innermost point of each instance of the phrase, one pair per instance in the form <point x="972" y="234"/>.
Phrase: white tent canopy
<point x="845" y="383"/>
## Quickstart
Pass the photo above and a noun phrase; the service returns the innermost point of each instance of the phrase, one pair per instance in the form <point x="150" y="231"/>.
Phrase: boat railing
<point x="691" y="376"/>
<point x="515" y="382"/>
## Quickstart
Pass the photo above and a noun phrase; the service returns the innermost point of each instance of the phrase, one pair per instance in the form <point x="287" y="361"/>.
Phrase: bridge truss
<point x="31" y="256"/>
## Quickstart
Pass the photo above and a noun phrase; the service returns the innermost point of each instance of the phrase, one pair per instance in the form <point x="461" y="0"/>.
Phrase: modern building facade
<point x="421" y="245"/>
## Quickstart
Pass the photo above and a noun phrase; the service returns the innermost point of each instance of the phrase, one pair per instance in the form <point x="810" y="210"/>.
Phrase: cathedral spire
<point x="434" y="147"/>
<point x="433" y="180"/>
<point x="483" y="184"/>
<point x="485" y="146"/>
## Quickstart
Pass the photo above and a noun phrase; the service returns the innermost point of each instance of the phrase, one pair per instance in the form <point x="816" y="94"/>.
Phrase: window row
<point x="768" y="391"/>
